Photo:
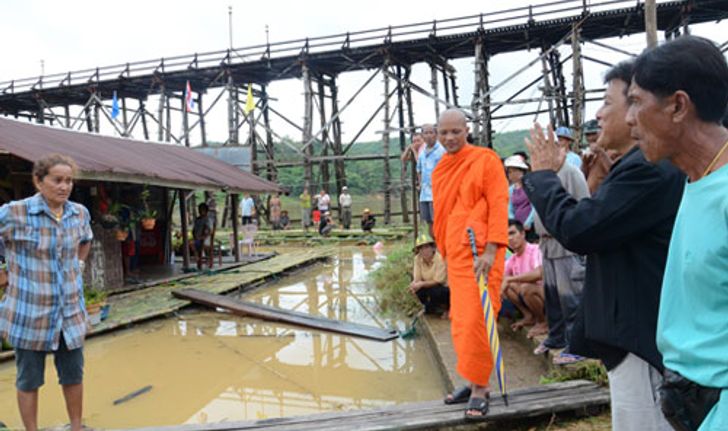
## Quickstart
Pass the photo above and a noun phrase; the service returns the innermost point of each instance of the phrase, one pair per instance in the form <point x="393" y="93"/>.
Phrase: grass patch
<point x="392" y="279"/>
<point x="587" y="370"/>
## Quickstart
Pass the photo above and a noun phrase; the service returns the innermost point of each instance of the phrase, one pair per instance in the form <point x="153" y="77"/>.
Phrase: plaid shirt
<point x="44" y="297"/>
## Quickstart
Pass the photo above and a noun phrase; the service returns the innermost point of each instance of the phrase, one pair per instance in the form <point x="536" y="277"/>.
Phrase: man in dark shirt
<point x="624" y="229"/>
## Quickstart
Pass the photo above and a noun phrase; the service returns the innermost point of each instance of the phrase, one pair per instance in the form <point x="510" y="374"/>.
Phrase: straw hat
<point x="423" y="239"/>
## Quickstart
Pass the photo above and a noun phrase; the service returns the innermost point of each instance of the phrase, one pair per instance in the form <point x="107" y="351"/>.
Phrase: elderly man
<point x="678" y="97"/>
<point x="470" y="190"/>
<point x="426" y="162"/>
<point x="622" y="229"/>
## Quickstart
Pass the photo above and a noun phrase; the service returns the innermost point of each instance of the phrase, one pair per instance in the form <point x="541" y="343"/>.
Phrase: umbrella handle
<point x="471" y="237"/>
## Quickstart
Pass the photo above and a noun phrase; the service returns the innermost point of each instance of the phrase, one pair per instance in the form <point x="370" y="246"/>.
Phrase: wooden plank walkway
<point x="577" y="395"/>
<point x="156" y="301"/>
<point x="353" y="235"/>
<point x="246" y="308"/>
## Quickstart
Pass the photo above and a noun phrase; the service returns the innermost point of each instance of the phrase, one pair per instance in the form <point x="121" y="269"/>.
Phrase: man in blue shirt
<point x="678" y="98"/>
<point x="426" y="162"/>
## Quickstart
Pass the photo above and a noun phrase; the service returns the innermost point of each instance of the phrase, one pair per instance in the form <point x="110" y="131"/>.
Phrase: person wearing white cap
<point x="345" y="203"/>
<point x="519" y="208"/>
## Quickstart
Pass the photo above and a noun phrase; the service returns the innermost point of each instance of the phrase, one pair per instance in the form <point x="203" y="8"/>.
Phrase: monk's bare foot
<point x="540" y="328"/>
<point x="522" y="323"/>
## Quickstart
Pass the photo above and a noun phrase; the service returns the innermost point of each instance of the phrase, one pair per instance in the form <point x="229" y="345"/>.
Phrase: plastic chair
<point x="249" y="232"/>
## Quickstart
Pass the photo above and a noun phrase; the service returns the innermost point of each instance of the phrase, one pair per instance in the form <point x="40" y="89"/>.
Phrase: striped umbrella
<point x="490" y="324"/>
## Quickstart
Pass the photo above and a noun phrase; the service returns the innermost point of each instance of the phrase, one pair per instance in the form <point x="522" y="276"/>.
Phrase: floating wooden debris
<point x="279" y="315"/>
<point x="132" y="395"/>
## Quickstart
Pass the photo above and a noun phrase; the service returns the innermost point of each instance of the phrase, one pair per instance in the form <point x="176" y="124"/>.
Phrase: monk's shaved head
<point x="452" y="130"/>
<point x="454" y="114"/>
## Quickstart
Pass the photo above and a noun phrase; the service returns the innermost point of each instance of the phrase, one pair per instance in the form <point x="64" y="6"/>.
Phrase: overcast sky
<point x="77" y="34"/>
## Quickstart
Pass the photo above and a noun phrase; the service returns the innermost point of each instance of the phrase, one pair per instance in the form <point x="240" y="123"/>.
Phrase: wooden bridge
<point x="81" y="99"/>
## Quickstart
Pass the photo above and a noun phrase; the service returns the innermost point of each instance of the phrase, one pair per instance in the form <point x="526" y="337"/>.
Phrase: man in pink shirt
<point x="522" y="283"/>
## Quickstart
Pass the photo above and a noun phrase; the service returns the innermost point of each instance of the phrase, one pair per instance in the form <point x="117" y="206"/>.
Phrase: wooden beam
<point x="274" y="314"/>
<point x="651" y="23"/>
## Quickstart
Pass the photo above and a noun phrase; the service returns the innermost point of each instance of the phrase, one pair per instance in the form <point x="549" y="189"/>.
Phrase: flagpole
<point x="230" y="25"/>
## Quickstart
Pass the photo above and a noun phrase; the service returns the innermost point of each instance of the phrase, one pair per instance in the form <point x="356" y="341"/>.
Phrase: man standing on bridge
<point x="470" y="190"/>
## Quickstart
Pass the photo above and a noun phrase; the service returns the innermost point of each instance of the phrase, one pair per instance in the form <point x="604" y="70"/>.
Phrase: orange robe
<point x="470" y="190"/>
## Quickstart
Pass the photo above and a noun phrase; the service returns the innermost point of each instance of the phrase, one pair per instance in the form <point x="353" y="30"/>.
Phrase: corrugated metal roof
<point x="109" y="158"/>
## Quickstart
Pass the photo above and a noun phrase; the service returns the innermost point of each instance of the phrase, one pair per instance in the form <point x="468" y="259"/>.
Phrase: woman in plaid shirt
<point x="47" y="239"/>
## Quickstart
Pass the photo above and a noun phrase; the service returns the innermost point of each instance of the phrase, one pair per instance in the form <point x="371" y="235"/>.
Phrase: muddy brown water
<point x="207" y="367"/>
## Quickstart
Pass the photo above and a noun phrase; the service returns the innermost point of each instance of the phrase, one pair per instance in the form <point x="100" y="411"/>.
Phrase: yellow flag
<point x="249" y="104"/>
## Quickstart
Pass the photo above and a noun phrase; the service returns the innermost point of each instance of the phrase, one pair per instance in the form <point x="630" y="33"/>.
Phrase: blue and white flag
<point x="114" y="107"/>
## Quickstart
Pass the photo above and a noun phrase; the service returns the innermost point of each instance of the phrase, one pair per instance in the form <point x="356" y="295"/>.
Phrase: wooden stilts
<point x="435" y="89"/>
<point x="160" y="112"/>
<point x="143" y="113"/>
<point x="272" y="172"/>
<point x="124" y="118"/>
<point x="413" y="171"/>
<point x="578" y="85"/>
<point x="307" y="127"/>
<point x="201" y="113"/>
<point x="324" y="164"/>
<point x="547" y="88"/>
<point x="386" y="174"/>
<point x="339" y="166"/>
<point x="402" y="145"/>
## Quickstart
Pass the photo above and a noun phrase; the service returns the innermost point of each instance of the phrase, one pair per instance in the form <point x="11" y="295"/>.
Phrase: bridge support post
<point x="272" y="173"/>
<point x="547" y="89"/>
<point x="324" y="164"/>
<point x="386" y="174"/>
<point x="578" y="84"/>
<point x="435" y="89"/>
<point x="201" y="113"/>
<point x="160" y="112"/>
<point x="562" y="105"/>
<point x="402" y="145"/>
<point x="307" y="127"/>
<point x="143" y="114"/>
<point x="413" y="172"/>
<point x="339" y="166"/>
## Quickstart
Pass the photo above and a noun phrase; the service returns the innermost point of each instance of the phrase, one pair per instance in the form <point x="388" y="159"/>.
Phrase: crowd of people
<point x="631" y="266"/>
<point x="619" y="253"/>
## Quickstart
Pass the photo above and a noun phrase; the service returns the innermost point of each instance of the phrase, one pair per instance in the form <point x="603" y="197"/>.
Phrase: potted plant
<point x="121" y="233"/>
<point x="110" y="220"/>
<point x="148" y="216"/>
<point x="95" y="299"/>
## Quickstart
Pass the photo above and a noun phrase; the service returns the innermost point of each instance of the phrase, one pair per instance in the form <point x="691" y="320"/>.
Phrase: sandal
<point x="477" y="404"/>
<point x="459" y="396"/>
<point x="567" y="358"/>
<point x="542" y="349"/>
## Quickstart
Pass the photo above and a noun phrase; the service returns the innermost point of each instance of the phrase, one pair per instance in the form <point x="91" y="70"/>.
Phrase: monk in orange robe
<point x="470" y="189"/>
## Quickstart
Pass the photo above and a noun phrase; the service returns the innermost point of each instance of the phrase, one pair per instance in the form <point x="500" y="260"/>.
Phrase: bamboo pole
<point x="160" y="112"/>
<point x="324" y="164"/>
<point x="232" y="111"/>
<point x="233" y="198"/>
<point x="339" y="166"/>
<point x="201" y="113"/>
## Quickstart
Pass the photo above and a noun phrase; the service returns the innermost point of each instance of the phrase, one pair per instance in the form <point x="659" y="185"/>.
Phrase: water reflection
<point x="212" y="367"/>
